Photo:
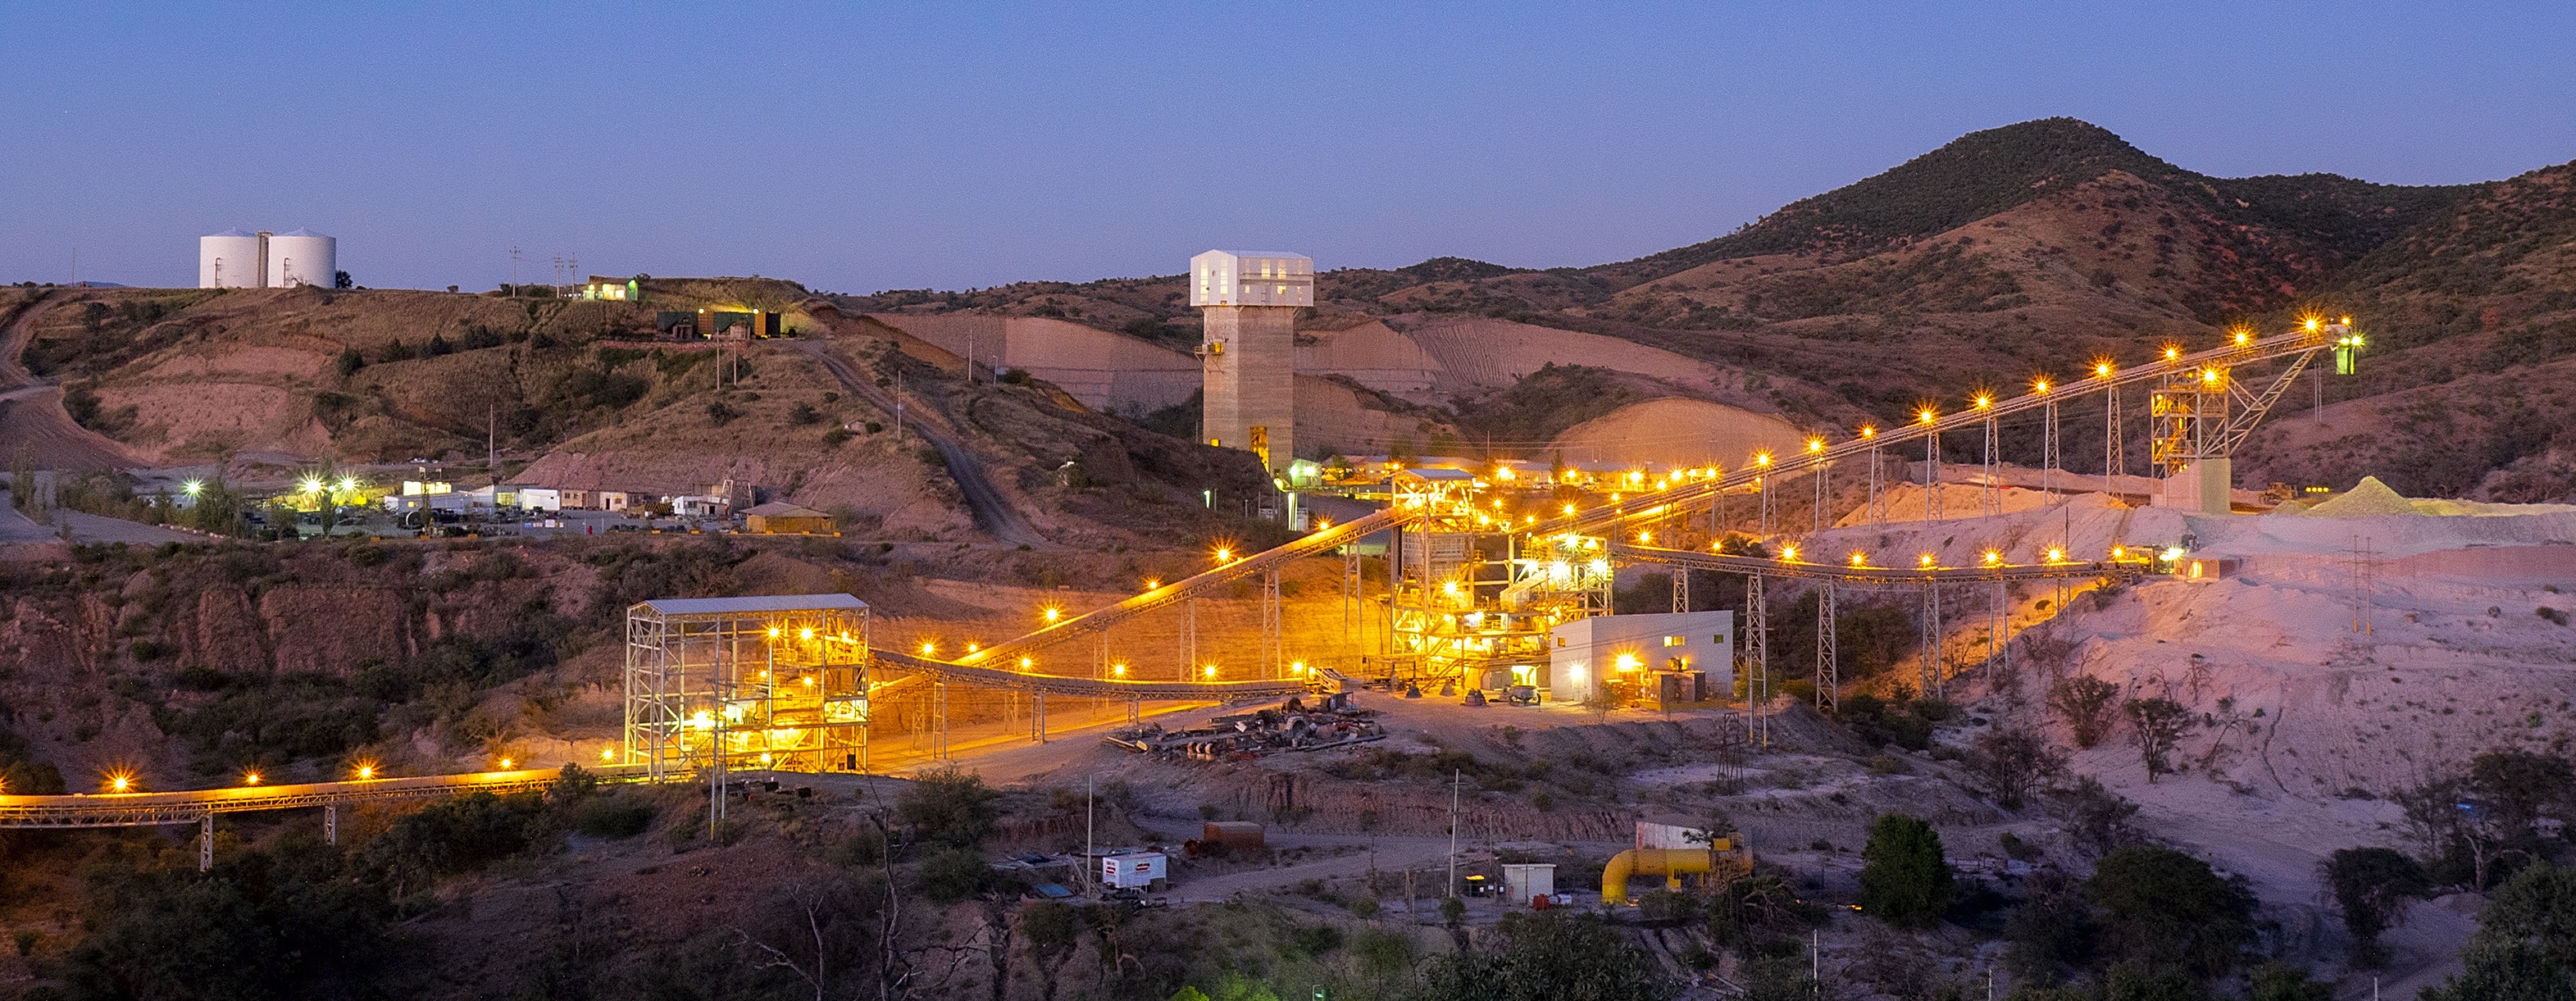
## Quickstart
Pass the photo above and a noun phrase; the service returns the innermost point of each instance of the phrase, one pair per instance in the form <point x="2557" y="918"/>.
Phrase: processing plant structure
<point x="728" y="684"/>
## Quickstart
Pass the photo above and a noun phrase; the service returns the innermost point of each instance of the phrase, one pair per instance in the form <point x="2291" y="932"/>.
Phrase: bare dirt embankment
<point x="1677" y="432"/>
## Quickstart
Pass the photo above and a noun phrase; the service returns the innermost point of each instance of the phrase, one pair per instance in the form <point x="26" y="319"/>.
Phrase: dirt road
<point x="993" y="513"/>
<point x="32" y="415"/>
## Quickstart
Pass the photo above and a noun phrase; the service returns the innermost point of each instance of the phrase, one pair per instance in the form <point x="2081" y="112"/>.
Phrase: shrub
<point x="2156" y="725"/>
<point x="612" y="817"/>
<point x="1904" y="881"/>
<point x="2163" y="908"/>
<point x="2525" y="946"/>
<point x="2371" y="886"/>
<point x="2009" y="763"/>
<point x="2084" y="703"/>
<point x="450" y="836"/>
<point x="948" y="807"/>
<point x="1547" y="956"/>
<point x="2097" y="819"/>
<point x="953" y="874"/>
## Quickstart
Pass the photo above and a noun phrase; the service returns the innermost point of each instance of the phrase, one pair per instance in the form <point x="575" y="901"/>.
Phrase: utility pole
<point x="492" y="447"/>
<point x="514" y="270"/>
<point x="1455" y="777"/>
<point x="1087" y="863"/>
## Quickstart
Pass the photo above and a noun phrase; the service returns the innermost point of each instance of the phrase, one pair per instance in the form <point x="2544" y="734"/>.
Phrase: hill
<point x="269" y="383"/>
<point x="1985" y="173"/>
<point x="2469" y="386"/>
<point x="2025" y="250"/>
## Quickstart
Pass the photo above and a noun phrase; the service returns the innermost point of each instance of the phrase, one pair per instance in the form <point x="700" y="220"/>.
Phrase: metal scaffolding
<point x="1467" y="595"/>
<point x="775" y="682"/>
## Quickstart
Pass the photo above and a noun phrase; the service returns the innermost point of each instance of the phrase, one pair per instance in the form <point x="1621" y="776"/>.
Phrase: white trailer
<point x="1139" y="870"/>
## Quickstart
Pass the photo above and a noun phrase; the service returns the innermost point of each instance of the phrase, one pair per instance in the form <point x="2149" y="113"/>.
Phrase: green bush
<point x="450" y="836"/>
<point x="948" y="807"/>
<point x="2525" y="946"/>
<point x="2166" y="909"/>
<point x="612" y="817"/>
<point x="259" y="926"/>
<point x="951" y="875"/>
<point x="1547" y="956"/>
<point x="1904" y="881"/>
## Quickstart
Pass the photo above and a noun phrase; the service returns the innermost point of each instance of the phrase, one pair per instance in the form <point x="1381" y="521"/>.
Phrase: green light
<point x="192" y="487"/>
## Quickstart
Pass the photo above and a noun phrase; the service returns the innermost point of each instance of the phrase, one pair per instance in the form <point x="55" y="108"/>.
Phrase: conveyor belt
<point x="1090" y="688"/>
<point x="1872" y="575"/>
<point x="151" y="808"/>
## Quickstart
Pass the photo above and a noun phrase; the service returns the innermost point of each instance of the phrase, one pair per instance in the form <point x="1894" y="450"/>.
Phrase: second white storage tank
<point x="301" y="258"/>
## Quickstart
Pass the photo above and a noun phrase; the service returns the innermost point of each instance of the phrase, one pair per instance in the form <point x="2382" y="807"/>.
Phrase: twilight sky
<point x="858" y="147"/>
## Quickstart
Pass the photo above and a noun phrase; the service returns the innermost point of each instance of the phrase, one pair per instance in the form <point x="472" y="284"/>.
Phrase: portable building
<point x="1523" y="883"/>
<point x="1138" y="870"/>
<point x="782" y="518"/>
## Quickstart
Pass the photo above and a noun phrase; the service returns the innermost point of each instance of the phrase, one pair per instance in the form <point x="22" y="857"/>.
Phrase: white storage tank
<point x="301" y="258"/>
<point x="230" y="259"/>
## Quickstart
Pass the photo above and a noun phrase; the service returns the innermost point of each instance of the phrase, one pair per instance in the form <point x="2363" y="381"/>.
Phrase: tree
<point x="290" y="924"/>
<point x="1904" y="881"/>
<point x="341" y="279"/>
<point x="2525" y="946"/>
<point x="2279" y="981"/>
<point x="1547" y="956"/>
<point x="2519" y="786"/>
<point x="2163" y="908"/>
<point x="2050" y="930"/>
<point x="2010" y="763"/>
<point x="2084" y="702"/>
<point x="2156" y="725"/>
<point x="2371" y="885"/>
<point x="2457" y="828"/>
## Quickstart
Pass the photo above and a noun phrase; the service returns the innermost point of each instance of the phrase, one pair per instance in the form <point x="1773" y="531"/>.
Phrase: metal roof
<point x="757" y="603"/>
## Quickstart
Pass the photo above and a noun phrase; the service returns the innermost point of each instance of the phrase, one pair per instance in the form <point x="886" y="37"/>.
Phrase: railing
<point x="1179" y="590"/>
<point x="152" y="808"/>
<point x="1609" y="517"/>
<point x="1876" y="575"/>
<point x="1091" y="688"/>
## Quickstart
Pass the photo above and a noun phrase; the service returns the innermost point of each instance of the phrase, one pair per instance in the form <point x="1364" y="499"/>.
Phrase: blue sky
<point x="859" y="147"/>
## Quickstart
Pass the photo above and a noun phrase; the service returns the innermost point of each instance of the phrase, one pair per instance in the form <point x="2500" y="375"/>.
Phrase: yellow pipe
<point x="1670" y="863"/>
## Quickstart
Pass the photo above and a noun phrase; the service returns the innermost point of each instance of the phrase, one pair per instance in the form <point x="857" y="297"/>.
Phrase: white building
<point x="1585" y="654"/>
<point x="1137" y="870"/>
<point x="1249" y="304"/>
<point x="235" y="259"/>
<point x="1523" y="882"/>
<point x="1252" y="278"/>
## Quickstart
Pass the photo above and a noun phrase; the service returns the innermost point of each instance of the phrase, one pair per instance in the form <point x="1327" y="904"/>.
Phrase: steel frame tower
<point x="1828" y="659"/>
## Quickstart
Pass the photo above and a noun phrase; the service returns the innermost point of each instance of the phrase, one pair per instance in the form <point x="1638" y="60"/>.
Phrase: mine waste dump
<point x="1333" y="723"/>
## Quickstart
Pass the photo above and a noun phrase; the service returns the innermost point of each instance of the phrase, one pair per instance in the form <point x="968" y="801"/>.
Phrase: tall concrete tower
<point x="1250" y="303"/>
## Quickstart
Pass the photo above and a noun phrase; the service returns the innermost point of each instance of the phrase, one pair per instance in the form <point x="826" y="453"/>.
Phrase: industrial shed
<point x="782" y="518"/>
